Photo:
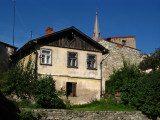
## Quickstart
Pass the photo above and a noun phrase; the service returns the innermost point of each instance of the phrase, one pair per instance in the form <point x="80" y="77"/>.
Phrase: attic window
<point x="123" y="42"/>
<point x="46" y="56"/>
<point x="71" y="37"/>
<point x="92" y="61"/>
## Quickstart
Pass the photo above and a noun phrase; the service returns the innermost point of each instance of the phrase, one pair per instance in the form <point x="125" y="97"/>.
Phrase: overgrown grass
<point x="94" y="105"/>
<point x="102" y="105"/>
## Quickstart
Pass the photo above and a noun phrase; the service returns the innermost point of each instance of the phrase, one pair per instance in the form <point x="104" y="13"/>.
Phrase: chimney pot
<point x="49" y="30"/>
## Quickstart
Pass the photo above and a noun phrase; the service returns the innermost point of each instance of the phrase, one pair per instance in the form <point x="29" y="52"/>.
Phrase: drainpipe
<point x="101" y="72"/>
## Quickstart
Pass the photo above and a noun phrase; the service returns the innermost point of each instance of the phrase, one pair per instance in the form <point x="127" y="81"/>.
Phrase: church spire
<point x="96" y="32"/>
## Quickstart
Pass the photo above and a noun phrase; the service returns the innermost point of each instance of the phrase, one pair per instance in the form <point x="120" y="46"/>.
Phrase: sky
<point x="140" y="18"/>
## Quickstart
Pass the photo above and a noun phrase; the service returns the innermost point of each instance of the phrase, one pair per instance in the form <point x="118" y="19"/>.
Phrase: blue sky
<point x="140" y="18"/>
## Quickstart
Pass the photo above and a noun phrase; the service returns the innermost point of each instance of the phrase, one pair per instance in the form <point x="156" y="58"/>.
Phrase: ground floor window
<point x="71" y="89"/>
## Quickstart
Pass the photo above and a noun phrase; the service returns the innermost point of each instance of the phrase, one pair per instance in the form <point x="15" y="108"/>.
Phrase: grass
<point x="94" y="105"/>
<point x="102" y="105"/>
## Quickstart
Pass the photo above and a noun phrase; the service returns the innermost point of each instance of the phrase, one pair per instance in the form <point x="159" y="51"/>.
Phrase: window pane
<point x="46" y="52"/>
<point x="48" y="59"/>
<point x="91" y="62"/>
<point x="72" y="59"/>
<point x="43" y="58"/>
<point x="72" y="55"/>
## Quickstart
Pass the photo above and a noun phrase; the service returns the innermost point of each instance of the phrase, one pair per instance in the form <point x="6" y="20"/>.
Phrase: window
<point x="72" y="59"/>
<point x="123" y="42"/>
<point x="91" y="61"/>
<point x="46" y="56"/>
<point x="71" y="89"/>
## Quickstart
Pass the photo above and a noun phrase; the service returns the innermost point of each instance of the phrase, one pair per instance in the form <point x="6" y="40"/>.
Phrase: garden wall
<point x="48" y="114"/>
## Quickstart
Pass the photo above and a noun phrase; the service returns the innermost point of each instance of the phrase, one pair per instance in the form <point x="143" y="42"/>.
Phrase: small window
<point x="71" y="89"/>
<point x="46" y="56"/>
<point x="91" y="61"/>
<point x="72" y="59"/>
<point x="123" y="42"/>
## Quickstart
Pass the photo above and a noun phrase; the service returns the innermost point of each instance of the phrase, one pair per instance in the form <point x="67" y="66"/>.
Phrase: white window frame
<point x="45" y="57"/>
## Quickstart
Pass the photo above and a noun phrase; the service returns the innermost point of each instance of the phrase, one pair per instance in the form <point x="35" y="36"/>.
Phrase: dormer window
<point x="123" y="42"/>
<point x="46" y="56"/>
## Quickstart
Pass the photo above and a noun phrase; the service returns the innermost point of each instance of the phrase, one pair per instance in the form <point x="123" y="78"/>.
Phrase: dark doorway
<point x="71" y="89"/>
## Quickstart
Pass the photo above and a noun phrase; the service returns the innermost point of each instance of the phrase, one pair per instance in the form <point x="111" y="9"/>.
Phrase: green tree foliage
<point x="147" y="94"/>
<point x="26" y="116"/>
<point x="124" y="80"/>
<point x="151" y="62"/>
<point x="3" y="76"/>
<point x="21" y="79"/>
<point x="46" y="95"/>
<point x="25" y="82"/>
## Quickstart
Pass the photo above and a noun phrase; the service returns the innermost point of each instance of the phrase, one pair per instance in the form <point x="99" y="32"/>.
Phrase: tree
<point x="124" y="80"/>
<point x="151" y="62"/>
<point x="147" y="94"/>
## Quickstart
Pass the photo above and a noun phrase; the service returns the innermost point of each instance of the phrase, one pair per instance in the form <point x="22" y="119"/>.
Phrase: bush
<point x="147" y="94"/>
<point x="20" y="80"/>
<point x="124" y="80"/>
<point x="26" y="116"/>
<point x="45" y="94"/>
<point x="3" y="77"/>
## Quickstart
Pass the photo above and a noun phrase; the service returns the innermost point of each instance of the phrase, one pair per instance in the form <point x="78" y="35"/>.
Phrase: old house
<point x="79" y="64"/>
<point x="6" y="51"/>
<point x="72" y="58"/>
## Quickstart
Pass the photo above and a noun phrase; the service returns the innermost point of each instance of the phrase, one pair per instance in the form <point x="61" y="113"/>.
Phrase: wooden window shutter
<point x="74" y="89"/>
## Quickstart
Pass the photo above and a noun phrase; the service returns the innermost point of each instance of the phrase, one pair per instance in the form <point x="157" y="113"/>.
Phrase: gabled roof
<point x="8" y="45"/>
<point x="30" y="44"/>
<point x="124" y="37"/>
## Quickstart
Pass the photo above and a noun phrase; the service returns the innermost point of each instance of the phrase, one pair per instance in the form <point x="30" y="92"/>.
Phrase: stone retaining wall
<point x="48" y="114"/>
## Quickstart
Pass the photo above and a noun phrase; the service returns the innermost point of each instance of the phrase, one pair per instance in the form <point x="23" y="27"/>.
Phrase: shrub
<point x="45" y="93"/>
<point x="151" y="62"/>
<point x="147" y="94"/>
<point x="20" y="80"/>
<point x="3" y="77"/>
<point x="124" y="80"/>
<point x="26" y="116"/>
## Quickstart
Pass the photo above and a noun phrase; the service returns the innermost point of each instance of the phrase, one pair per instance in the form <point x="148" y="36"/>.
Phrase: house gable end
<point x="70" y="39"/>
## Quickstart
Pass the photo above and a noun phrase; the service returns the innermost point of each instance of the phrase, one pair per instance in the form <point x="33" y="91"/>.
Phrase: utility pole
<point x="13" y="22"/>
<point x="31" y="35"/>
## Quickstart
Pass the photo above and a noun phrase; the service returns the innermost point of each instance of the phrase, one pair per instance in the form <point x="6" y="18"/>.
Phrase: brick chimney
<point x="49" y="30"/>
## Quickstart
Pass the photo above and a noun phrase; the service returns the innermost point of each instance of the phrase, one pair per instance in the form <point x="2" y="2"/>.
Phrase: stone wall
<point x="115" y="60"/>
<point x="88" y="115"/>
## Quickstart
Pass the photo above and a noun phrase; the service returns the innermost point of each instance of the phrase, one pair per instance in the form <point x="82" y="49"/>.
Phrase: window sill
<point x="92" y="68"/>
<point x="72" y="67"/>
<point x="46" y="64"/>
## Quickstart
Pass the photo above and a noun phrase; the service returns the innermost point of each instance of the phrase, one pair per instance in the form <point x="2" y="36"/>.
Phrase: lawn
<point x="102" y="105"/>
<point x="95" y="105"/>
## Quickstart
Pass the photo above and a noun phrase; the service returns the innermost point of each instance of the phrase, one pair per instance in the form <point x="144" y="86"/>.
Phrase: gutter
<point x="101" y="73"/>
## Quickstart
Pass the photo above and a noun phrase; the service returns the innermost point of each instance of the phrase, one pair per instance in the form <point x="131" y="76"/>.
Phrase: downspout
<point x="101" y="73"/>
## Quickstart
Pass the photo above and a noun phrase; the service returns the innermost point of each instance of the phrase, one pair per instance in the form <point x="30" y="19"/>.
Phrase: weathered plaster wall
<point x="115" y="60"/>
<point x="59" y="64"/>
<point x="86" y="90"/>
<point x="88" y="81"/>
<point x="88" y="115"/>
